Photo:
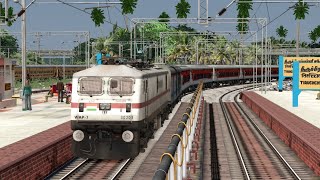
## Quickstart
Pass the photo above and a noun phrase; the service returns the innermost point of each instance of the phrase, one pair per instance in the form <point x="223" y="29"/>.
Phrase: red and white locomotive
<point x="117" y="108"/>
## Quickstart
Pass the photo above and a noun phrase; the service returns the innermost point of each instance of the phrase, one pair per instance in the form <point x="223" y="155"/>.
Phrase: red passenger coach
<point x="201" y="74"/>
<point x="275" y="71"/>
<point x="247" y="71"/>
<point x="185" y="76"/>
<point x="227" y="73"/>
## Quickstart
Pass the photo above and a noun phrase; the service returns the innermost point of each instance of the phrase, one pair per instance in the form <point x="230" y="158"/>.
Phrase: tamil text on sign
<point x="309" y="77"/>
<point x="287" y="63"/>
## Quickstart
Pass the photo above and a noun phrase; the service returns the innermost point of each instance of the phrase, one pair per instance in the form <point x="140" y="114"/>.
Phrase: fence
<point x="175" y="160"/>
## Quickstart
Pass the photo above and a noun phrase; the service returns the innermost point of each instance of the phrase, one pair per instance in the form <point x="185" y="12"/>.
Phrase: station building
<point x="7" y="83"/>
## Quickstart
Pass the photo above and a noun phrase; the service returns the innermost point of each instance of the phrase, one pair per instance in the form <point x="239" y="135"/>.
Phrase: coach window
<point x="114" y="84"/>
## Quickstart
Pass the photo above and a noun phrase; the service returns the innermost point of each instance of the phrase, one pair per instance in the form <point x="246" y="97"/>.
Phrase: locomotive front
<point x="104" y="119"/>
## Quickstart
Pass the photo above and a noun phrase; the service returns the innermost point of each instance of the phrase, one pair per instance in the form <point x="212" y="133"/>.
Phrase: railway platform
<point x="297" y="127"/>
<point x="16" y="124"/>
<point x="307" y="110"/>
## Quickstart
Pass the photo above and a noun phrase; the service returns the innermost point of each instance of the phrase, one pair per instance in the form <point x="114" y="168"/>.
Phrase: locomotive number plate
<point x="127" y="117"/>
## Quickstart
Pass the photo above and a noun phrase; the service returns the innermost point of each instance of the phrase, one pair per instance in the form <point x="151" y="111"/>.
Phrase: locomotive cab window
<point x="121" y="86"/>
<point x="114" y="84"/>
<point x="90" y="85"/>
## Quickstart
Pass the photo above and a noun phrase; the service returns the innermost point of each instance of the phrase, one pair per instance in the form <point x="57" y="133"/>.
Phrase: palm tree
<point x="219" y="52"/>
<point x="282" y="32"/>
<point x="300" y="11"/>
<point x="231" y="51"/>
<point x="314" y="35"/>
<point x="128" y="6"/>
<point x="243" y="12"/>
<point x="182" y="9"/>
<point x="164" y="15"/>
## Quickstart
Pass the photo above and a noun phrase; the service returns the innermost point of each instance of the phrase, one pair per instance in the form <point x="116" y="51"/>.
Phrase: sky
<point x="60" y="17"/>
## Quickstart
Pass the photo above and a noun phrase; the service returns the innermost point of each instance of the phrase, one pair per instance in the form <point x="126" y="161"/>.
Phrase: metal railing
<point x="173" y="163"/>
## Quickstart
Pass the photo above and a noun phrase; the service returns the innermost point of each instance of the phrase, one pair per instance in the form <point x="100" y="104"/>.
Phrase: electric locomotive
<point x="116" y="108"/>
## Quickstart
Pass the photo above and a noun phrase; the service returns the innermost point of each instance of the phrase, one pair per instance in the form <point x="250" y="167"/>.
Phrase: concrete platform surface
<point x="16" y="124"/>
<point x="308" y="108"/>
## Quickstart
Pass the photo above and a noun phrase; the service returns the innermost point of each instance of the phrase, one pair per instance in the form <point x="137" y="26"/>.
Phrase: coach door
<point x="146" y="97"/>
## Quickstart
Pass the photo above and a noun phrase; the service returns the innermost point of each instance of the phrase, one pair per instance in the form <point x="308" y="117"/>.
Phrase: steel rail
<point x="296" y="176"/>
<point x="121" y="168"/>
<point x="232" y="134"/>
<point x="74" y="169"/>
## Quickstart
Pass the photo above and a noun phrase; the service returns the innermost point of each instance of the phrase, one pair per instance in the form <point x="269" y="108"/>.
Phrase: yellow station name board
<point x="309" y="77"/>
<point x="287" y="63"/>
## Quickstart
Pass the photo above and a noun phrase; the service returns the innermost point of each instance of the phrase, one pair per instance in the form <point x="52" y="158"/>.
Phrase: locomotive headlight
<point x="108" y="107"/>
<point x="127" y="136"/>
<point x="78" y="135"/>
<point x="104" y="106"/>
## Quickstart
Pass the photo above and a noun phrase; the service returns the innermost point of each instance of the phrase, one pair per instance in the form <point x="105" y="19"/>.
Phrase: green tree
<point x="8" y="42"/>
<point x="152" y="30"/>
<point x="119" y="35"/>
<point x="243" y="12"/>
<point x="128" y="6"/>
<point x="300" y="10"/>
<point x="80" y="52"/>
<point x="184" y="27"/>
<point x="317" y="29"/>
<point x="10" y="15"/>
<point x="97" y="16"/>
<point x="164" y="15"/>
<point x="314" y="35"/>
<point x="183" y="9"/>
<point x="282" y="32"/>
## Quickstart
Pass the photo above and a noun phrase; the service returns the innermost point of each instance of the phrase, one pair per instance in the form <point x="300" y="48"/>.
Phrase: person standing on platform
<point x="60" y="88"/>
<point x="27" y="92"/>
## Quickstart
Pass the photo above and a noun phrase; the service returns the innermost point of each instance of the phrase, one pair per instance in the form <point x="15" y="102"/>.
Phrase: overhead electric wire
<point x="270" y="22"/>
<point x="257" y="9"/>
<point x="81" y="10"/>
<point x="109" y="14"/>
<point x="120" y="11"/>
<point x="268" y="11"/>
<point x="254" y="14"/>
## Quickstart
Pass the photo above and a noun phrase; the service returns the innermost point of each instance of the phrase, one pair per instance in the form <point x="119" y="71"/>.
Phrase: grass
<point x="42" y="83"/>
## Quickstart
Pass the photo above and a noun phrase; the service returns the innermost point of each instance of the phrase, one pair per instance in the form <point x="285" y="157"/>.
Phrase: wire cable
<point x="81" y="10"/>
<point x="268" y="11"/>
<point x="121" y="12"/>
<point x="254" y="14"/>
<point x="270" y="22"/>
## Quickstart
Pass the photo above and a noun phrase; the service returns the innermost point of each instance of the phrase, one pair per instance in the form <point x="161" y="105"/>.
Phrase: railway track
<point x="259" y="160"/>
<point x="258" y="157"/>
<point x="81" y="168"/>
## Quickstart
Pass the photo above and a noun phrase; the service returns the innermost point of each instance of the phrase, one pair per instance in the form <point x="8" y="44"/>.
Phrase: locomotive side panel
<point x="158" y="94"/>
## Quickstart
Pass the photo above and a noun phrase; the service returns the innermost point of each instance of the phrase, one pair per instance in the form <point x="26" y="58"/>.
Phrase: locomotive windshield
<point x="90" y="85"/>
<point x="121" y="86"/>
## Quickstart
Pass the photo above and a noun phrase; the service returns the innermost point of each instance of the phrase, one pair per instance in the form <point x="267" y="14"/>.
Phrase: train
<point x="48" y="71"/>
<point x="116" y="108"/>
